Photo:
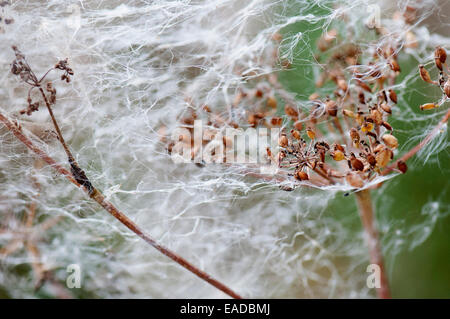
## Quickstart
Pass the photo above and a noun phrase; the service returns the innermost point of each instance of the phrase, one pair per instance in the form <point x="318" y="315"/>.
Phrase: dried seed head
<point x="402" y="166"/>
<point x="383" y="157"/>
<point x="354" y="179"/>
<point x="424" y="74"/>
<point x="301" y="176"/>
<point x="390" y="140"/>
<point x="311" y="134"/>
<point x="428" y="106"/>
<point x="331" y="108"/>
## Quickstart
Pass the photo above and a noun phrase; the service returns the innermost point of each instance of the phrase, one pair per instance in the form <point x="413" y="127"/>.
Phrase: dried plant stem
<point x="376" y="257"/>
<point x="96" y="195"/>
<point x="419" y="146"/>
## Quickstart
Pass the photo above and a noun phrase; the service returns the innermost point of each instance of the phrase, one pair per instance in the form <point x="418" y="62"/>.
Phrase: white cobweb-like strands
<point x="137" y="65"/>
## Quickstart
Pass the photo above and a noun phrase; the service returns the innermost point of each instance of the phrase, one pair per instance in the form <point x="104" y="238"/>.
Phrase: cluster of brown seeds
<point x="443" y="81"/>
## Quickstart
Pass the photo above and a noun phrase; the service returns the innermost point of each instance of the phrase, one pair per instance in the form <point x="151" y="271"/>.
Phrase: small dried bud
<point x="440" y="56"/>
<point x="276" y="121"/>
<point x="354" y="135"/>
<point x="296" y="134"/>
<point x="447" y="88"/>
<point x="424" y="74"/>
<point x="390" y="140"/>
<point x="371" y="160"/>
<point x="283" y="141"/>
<point x="298" y="125"/>
<point x="290" y="111"/>
<point x="357" y="165"/>
<point x="376" y="116"/>
<point x="348" y="113"/>
<point x="402" y="166"/>
<point x="331" y="108"/>
<point x="393" y="96"/>
<point x="338" y="155"/>
<point x="383" y="157"/>
<point x="393" y="64"/>
<point x="272" y="102"/>
<point x="387" y="125"/>
<point x="363" y="85"/>
<point x="354" y="179"/>
<point x="301" y="176"/>
<point x="311" y="134"/>
<point x="386" y="108"/>
<point x="428" y="106"/>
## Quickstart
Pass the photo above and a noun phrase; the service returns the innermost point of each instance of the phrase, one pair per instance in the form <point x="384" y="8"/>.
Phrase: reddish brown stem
<point x="96" y="195"/>
<point x="376" y="257"/>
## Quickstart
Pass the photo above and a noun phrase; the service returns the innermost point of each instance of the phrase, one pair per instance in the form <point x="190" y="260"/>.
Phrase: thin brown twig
<point x="96" y="195"/>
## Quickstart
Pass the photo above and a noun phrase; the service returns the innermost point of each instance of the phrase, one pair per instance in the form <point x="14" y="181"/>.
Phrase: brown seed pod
<point x="311" y="134"/>
<point x="384" y="157"/>
<point x="296" y="134"/>
<point x="424" y="74"/>
<point x="371" y="160"/>
<point x="393" y="96"/>
<point x="290" y="111"/>
<point x="378" y="148"/>
<point x="271" y="102"/>
<point x="393" y="64"/>
<point x="348" y="113"/>
<point x="259" y="93"/>
<point x="386" y="108"/>
<point x="402" y="166"/>
<point x="440" y="56"/>
<point x="338" y="155"/>
<point x="301" y="176"/>
<point x="376" y="116"/>
<point x="363" y="85"/>
<point x="331" y="107"/>
<point x="276" y="121"/>
<point x="283" y="141"/>
<point x="339" y="147"/>
<point x="357" y="165"/>
<point x="298" y="125"/>
<point x="447" y="88"/>
<point x="390" y="140"/>
<point x="387" y="126"/>
<point x="428" y="106"/>
<point x="354" y="135"/>
<point x="354" y="179"/>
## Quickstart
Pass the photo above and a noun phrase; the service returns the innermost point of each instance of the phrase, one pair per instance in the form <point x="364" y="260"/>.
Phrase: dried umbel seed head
<point x="301" y="176"/>
<point x="440" y="57"/>
<point x="428" y="106"/>
<point x="354" y="179"/>
<point x="331" y="107"/>
<point x="390" y="140"/>
<point x="424" y="74"/>
<point x="402" y="167"/>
